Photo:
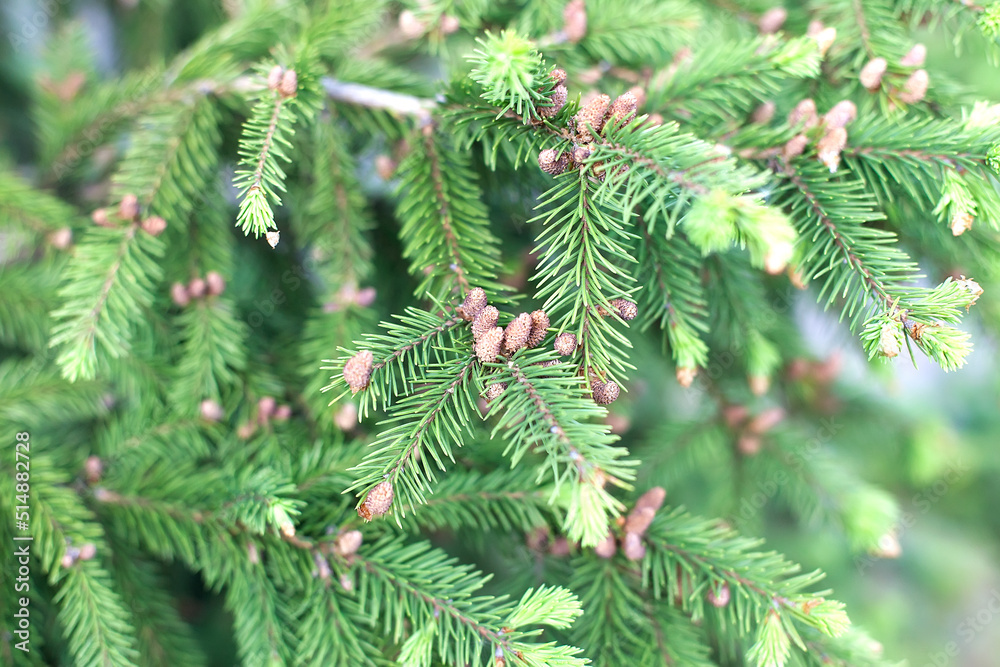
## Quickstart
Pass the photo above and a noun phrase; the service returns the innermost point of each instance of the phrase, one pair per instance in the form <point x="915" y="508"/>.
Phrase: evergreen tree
<point x="553" y="206"/>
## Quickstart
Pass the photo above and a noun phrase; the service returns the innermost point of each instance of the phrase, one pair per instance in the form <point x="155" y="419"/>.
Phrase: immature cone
<point x="358" y="370"/>
<point x="719" y="597"/>
<point x="605" y="393"/>
<point x="282" y="413"/>
<point x="154" y="225"/>
<point x="484" y="321"/>
<point x="196" y="288"/>
<point x="794" y="147"/>
<point x="961" y="223"/>
<point x="273" y="238"/>
<point x="915" y="57"/>
<point x="829" y="148"/>
<point x="627" y="310"/>
<point x="539" y="328"/>
<point x="88" y="551"/>
<point x="552" y="161"/>
<point x="449" y="24"/>
<point x="93" y="468"/>
<point x="591" y="117"/>
<point x="840" y="115"/>
<point x="633" y="547"/>
<point x="494" y="390"/>
<point x="517" y="333"/>
<point x="558" y="100"/>
<point x="215" y="283"/>
<point x="888" y="341"/>
<point x="128" y="208"/>
<point x="100" y="218"/>
<point x="639" y="520"/>
<point x="772" y="20"/>
<point x="410" y="25"/>
<point x="211" y="411"/>
<point x="915" y="88"/>
<point x="558" y="76"/>
<point x="385" y="167"/>
<point x="289" y="83"/>
<point x="766" y="420"/>
<point x="378" y="501"/>
<point x="623" y="109"/>
<point x="474" y="303"/>
<point x="872" y="72"/>
<point x="488" y="346"/>
<point x="348" y="542"/>
<point x="575" y="21"/>
<point x="804" y="113"/>
<point x="606" y="548"/>
<point x="686" y="376"/>
<point x="565" y="343"/>
<point x="179" y="294"/>
<point x="824" y="39"/>
<point x="763" y="114"/>
<point x="274" y="77"/>
<point x="653" y="498"/>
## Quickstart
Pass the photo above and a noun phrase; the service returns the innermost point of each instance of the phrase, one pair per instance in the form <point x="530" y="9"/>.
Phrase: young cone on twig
<point x="474" y="303"/>
<point x="539" y="328"/>
<point x="488" y="346"/>
<point x="517" y="333"/>
<point x="358" y="370"/>
<point x="377" y="502"/>
<point x="565" y="343"/>
<point x="484" y="321"/>
<point x="604" y="393"/>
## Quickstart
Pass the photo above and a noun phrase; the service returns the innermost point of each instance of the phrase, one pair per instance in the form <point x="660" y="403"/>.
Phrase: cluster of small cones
<point x="588" y="123"/>
<point x="128" y="211"/>
<point x="525" y="330"/>
<point x="912" y="89"/>
<point x="634" y="527"/>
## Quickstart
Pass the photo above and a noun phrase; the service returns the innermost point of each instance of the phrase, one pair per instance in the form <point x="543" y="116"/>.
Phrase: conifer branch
<point x="106" y="286"/>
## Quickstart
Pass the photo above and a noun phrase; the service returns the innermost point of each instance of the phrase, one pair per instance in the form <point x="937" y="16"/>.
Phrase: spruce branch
<point x="549" y="408"/>
<point x="264" y="143"/>
<point x="439" y="596"/>
<point x="445" y="227"/>
<point x="399" y="355"/>
<point x="107" y="285"/>
<point x="872" y="269"/>
<point x="420" y="432"/>
<point x="585" y="264"/>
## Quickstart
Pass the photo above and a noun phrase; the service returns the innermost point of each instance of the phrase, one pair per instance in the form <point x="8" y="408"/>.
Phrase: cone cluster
<point x="213" y="284"/>
<point x="589" y="123"/>
<point x="634" y="527"/>
<point x="525" y="330"/>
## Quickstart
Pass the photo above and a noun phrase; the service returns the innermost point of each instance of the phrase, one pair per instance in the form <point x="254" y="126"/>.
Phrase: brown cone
<point x="605" y="393"/>
<point x="592" y="115"/>
<point x="485" y="320"/>
<point x="488" y="346"/>
<point x="627" y="310"/>
<point x="516" y="335"/>
<point x="494" y="390"/>
<point x="539" y="326"/>
<point x="623" y="109"/>
<point x="558" y="100"/>
<point x="378" y="501"/>
<point x="565" y="343"/>
<point x="474" y="303"/>
<point x="358" y="370"/>
<point x="552" y="161"/>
